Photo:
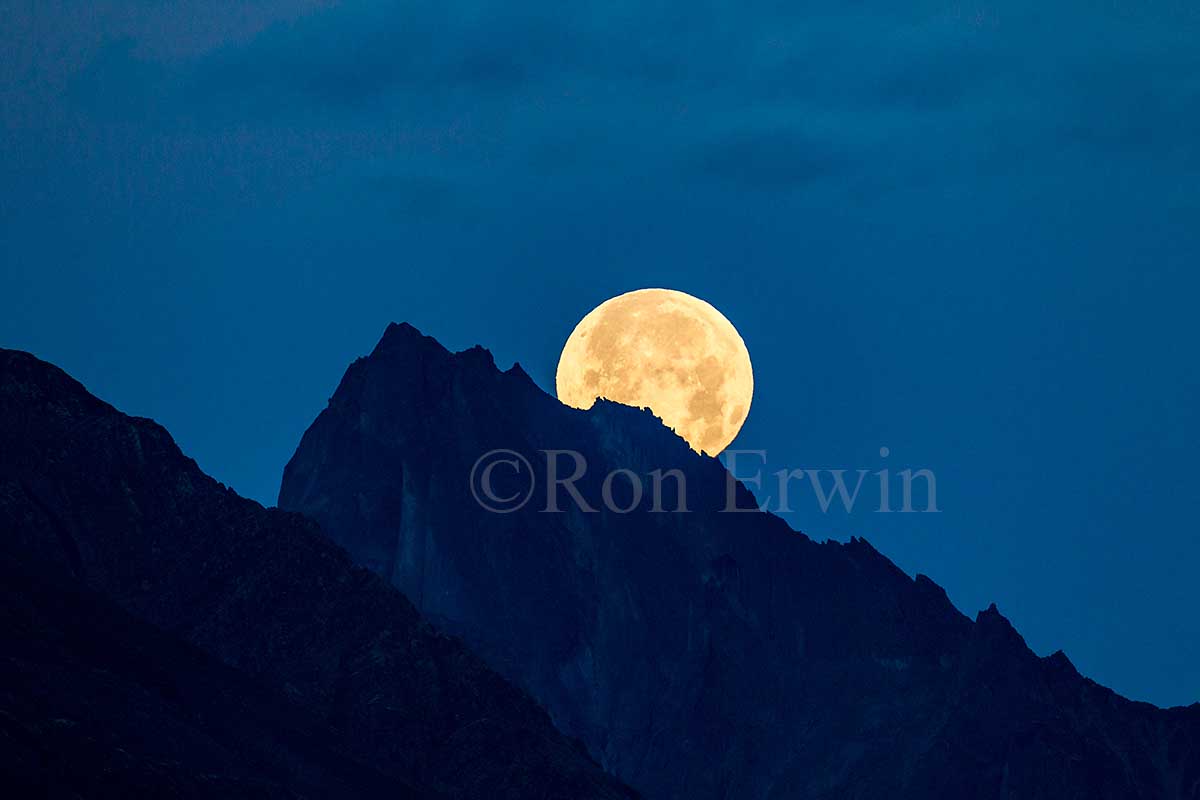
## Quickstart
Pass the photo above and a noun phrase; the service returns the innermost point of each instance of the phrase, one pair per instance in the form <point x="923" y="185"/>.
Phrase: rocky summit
<point x="697" y="655"/>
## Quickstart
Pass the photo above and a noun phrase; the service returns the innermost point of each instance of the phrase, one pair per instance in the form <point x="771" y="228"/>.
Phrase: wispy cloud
<point x="772" y="97"/>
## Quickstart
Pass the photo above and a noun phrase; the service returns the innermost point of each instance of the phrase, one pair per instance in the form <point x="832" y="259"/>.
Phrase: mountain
<point x="165" y="637"/>
<point x="700" y="655"/>
<point x="97" y="703"/>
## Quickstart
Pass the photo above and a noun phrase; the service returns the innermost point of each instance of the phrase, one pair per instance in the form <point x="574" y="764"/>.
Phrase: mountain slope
<point x="701" y="654"/>
<point x="96" y="703"/>
<point x="277" y="668"/>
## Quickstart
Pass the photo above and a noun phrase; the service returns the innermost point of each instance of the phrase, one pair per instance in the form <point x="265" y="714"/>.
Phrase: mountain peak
<point x="993" y="627"/>
<point x="1059" y="661"/>
<point x="395" y="329"/>
<point x="638" y="627"/>
<point x="405" y="340"/>
<point x="404" y="337"/>
<point x="991" y="618"/>
<point x="517" y="371"/>
<point x="477" y="356"/>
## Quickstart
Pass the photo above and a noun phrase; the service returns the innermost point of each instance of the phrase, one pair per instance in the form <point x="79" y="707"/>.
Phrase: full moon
<point x="665" y="350"/>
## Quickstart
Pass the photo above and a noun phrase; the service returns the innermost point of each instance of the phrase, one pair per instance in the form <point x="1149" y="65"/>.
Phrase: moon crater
<point x="665" y="350"/>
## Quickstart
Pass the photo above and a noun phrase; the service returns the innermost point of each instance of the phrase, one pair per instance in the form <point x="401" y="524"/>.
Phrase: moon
<point x="665" y="350"/>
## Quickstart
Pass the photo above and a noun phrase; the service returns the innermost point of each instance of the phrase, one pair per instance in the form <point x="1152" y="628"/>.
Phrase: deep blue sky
<point x="963" y="230"/>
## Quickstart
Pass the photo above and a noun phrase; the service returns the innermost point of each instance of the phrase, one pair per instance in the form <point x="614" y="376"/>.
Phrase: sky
<point x="963" y="231"/>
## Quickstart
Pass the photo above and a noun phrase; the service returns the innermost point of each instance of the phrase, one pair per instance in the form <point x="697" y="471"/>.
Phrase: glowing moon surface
<point x="665" y="350"/>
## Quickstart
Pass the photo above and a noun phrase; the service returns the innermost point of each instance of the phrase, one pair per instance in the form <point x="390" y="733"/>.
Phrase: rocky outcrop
<point x="166" y="637"/>
<point x="705" y="654"/>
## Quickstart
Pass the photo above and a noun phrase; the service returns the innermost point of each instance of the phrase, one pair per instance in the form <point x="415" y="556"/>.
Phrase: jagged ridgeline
<point x="166" y="637"/>
<point x="702" y="655"/>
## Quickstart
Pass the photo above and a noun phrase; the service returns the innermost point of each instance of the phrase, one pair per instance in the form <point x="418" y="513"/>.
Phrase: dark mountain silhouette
<point x="703" y="655"/>
<point x="165" y="637"/>
<point x="97" y="703"/>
